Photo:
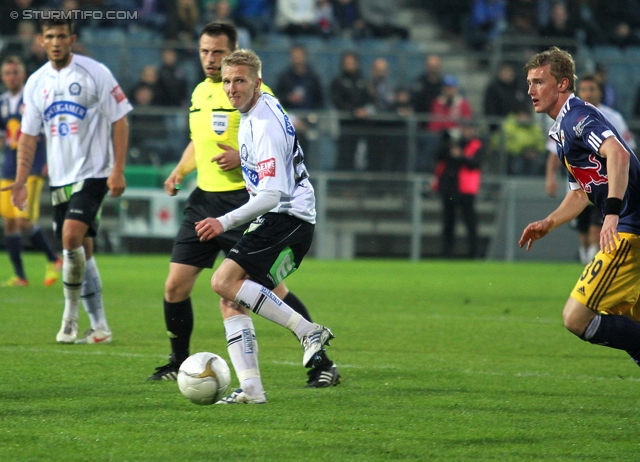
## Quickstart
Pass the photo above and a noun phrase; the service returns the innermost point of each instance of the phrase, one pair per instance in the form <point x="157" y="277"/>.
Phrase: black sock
<point x="179" y="320"/>
<point x="14" y="248"/>
<point x="296" y="304"/>
<point x="40" y="242"/>
<point x="323" y="361"/>
<point x="615" y="331"/>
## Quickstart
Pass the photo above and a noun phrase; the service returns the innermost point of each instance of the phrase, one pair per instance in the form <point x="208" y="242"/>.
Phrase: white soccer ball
<point x="204" y="378"/>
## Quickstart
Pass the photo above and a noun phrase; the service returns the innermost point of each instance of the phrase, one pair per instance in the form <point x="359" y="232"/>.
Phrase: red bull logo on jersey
<point x="266" y="168"/>
<point x="590" y="175"/>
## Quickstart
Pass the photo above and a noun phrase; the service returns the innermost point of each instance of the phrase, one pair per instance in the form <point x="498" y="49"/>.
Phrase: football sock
<point x="243" y="352"/>
<point x="178" y="318"/>
<point x="14" y="248"/>
<point x="592" y="251"/>
<point x="265" y="303"/>
<point x="73" y="265"/>
<point x="40" y="242"/>
<point x="615" y="331"/>
<point x="91" y="295"/>
<point x="296" y="305"/>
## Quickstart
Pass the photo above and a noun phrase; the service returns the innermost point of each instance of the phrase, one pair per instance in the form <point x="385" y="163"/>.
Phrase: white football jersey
<point x="76" y="106"/>
<point x="272" y="159"/>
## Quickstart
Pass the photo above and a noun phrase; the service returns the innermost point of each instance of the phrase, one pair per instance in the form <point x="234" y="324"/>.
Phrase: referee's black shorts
<point x="273" y="247"/>
<point x="187" y="247"/>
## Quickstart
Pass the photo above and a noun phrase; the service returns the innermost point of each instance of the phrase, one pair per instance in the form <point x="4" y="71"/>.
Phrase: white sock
<point x="73" y="265"/>
<point x="592" y="251"/>
<point x="582" y="251"/>
<point x="91" y="294"/>
<point x="265" y="303"/>
<point x="243" y="352"/>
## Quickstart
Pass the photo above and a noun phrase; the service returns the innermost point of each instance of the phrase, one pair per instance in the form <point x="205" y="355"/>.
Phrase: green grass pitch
<point x="447" y="361"/>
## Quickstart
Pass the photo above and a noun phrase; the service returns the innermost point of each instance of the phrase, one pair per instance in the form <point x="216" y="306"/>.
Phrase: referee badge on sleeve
<point x="219" y="122"/>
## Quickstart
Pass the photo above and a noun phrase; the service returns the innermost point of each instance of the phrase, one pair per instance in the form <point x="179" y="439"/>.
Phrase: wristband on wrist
<point x="613" y="206"/>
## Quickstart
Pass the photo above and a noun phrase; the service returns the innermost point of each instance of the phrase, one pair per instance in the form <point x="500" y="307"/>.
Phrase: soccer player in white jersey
<point x="282" y="207"/>
<point x="83" y="111"/>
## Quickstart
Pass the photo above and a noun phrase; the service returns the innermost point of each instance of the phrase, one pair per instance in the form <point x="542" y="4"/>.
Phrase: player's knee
<point x="174" y="291"/>
<point x="218" y="283"/>
<point x="575" y="321"/>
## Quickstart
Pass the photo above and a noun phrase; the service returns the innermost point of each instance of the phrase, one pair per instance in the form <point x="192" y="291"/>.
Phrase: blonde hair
<point x="561" y="65"/>
<point x="245" y="58"/>
<point x="12" y="59"/>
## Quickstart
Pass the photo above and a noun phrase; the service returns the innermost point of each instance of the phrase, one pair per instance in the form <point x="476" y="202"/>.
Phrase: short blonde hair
<point x="12" y="59"/>
<point x="561" y="65"/>
<point x="245" y="58"/>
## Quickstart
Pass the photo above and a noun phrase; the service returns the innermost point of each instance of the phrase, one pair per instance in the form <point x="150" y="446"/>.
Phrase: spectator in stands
<point x="10" y="26"/>
<point x="503" y="94"/>
<point x="254" y="15"/>
<point x="487" y="21"/>
<point x="457" y="180"/>
<point x="182" y="22"/>
<point x="36" y="56"/>
<point x="222" y="11"/>
<point x="297" y="17"/>
<point x="451" y="15"/>
<point x="348" y="19"/>
<point x="172" y="91"/>
<point x="427" y="86"/>
<point x="521" y="35"/>
<point x="608" y="92"/>
<point x="449" y="108"/>
<point x="381" y="89"/>
<point x="149" y="79"/>
<point x="171" y="82"/>
<point x="583" y="13"/>
<point x="325" y="19"/>
<point x="148" y="136"/>
<point x="387" y="144"/>
<point x="523" y="141"/>
<point x="402" y="102"/>
<point x="560" y="27"/>
<point x="349" y="94"/>
<point x="381" y="18"/>
<point x="152" y="13"/>
<point x="298" y="87"/>
<point x="26" y="32"/>
<point x="619" y="19"/>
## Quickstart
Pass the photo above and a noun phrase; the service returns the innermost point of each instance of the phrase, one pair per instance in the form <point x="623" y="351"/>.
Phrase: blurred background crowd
<point x="374" y="85"/>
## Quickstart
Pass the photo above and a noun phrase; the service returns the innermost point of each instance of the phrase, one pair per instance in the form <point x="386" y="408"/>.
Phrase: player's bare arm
<point x="618" y="160"/>
<point x="186" y="165"/>
<point x="116" y="181"/>
<point x="209" y="228"/>
<point x="26" y="152"/>
<point x="574" y="202"/>
<point x="228" y="159"/>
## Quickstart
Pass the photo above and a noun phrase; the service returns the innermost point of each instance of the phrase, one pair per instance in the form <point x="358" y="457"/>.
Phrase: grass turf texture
<point x="440" y="361"/>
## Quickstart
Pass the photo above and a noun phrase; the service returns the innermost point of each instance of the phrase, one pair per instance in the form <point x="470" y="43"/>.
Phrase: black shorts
<point x="187" y="247"/>
<point x="80" y="201"/>
<point x="589" y="216"/>
<point x="273" y="248"/>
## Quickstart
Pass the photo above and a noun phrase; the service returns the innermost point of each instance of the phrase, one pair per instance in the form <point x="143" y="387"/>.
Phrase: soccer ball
<point x="204" y="378"/>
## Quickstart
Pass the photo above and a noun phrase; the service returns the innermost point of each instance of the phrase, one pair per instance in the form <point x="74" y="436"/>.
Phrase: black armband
<point x="613" y="206"/>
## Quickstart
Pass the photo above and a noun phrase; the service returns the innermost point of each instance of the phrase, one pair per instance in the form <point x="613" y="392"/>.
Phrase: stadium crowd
<point x="368" y="92"/>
